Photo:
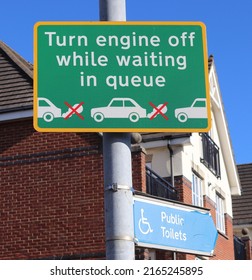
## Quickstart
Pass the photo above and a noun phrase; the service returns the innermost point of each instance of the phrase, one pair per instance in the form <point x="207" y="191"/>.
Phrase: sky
<point x="229" y="40"/>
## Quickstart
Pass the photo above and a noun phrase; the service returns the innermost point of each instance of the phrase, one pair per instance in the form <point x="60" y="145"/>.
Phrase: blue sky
<point x="229" y="38"/>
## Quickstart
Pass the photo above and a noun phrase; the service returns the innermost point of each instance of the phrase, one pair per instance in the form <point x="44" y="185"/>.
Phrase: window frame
<point x="220" y="214"/>
<point x="197" y="190"/>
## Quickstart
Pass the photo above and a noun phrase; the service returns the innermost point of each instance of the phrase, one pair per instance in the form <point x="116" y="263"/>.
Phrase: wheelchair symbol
<point x="143" y="224"/>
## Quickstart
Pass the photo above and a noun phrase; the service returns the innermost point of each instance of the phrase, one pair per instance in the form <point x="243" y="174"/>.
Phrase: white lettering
<point x="63" y="60"/>
<point x="191" y="37"/>
<point x="64" y="40"/>
<point x="135" y="81"/>
<point x="111" y="82"/>
<point x="87" y="59"/>
<point x="88" y="81"/>
<point x="152" y="59"/>
<point x="172" y="219"/>
<point x="50" y="37"/>
<point x="126" y="42"/>
<point x="170" y="233"/>
<point x="173" y="41"/>
<point x="123" y="60"/>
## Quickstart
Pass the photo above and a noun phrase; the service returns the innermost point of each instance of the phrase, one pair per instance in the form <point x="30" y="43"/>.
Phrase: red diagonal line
<point x="74" y="110"/>
<point x="158" y="110"/>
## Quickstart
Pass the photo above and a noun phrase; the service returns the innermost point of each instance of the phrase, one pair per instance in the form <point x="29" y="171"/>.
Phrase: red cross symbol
<point x="74" y="110"/>
<point x="158" y="111"/>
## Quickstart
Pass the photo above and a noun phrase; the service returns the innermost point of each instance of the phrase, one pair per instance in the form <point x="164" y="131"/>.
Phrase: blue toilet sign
<point x="173" y="226"/>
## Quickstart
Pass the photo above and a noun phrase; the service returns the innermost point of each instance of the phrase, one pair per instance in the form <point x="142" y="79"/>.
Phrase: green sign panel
<point x="121" y="77"/>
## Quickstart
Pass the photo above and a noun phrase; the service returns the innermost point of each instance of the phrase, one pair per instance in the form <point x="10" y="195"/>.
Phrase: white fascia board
<point x="225" y="141"/>
<point x="154" y="144"/>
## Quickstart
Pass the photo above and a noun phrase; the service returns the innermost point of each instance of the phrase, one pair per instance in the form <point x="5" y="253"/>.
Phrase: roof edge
<point x="224" y="135"/>
<point x="16" y="58"/>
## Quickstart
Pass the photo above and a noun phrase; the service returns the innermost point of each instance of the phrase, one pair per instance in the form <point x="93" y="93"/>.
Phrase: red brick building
<point x="51" y="202"/>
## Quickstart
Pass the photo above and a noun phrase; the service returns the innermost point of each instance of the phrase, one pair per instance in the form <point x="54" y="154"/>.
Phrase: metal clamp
<point x="125" y="238"/>
<point x="116" y="187"/>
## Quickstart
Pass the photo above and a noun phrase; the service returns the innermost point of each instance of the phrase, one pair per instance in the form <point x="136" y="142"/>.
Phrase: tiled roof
<point x="16" y="82"/>
<point x="242" y="205"/>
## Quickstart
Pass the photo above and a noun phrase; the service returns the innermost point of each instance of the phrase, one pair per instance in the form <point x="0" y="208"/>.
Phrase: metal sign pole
<point x="118" y="197"/>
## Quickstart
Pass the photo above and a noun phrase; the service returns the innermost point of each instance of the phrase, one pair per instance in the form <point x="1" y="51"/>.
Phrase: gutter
<point x="16" y="115"/>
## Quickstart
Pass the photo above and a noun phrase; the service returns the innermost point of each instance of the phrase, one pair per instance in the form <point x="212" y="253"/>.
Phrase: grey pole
<point x="118" y="197"/>
<point x="112" y="10"/>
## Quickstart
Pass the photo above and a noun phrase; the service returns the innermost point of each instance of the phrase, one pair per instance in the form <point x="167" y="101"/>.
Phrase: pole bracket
<point x="125" y="238"/>
<point x="116" y="187"/>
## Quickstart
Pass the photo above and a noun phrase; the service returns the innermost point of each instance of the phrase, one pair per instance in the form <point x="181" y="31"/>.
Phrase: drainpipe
<point x="171" y="162"/>
<point x="172" y="177"/>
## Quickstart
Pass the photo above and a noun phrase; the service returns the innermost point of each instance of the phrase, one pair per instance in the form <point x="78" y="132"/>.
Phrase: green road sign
<point x="121" y="77"/>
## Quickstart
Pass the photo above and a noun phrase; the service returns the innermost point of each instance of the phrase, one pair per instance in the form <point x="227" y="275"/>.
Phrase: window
<point x="43" y="103"/>
<point x="210" y="157"/>
<point x="197" y="196"/>
<point x="200" y="104"/>
<point x="116" y="103"/>
<point x="220" y="219"/>
<point x="128" y="103"/>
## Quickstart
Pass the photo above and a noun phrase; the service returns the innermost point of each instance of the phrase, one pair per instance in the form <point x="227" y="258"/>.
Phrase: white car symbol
<point x="47" y="110"/>
<point x="119" y="108"/>
<point x="197" y="110"/>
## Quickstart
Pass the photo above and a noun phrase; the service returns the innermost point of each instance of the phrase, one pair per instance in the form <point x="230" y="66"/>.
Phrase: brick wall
<point x="224" y="249"/>
<point x="51" y="203"/>
<point x="138" y="169"/>
<point x="225" y="243"/>
<point x="184" y="188"/>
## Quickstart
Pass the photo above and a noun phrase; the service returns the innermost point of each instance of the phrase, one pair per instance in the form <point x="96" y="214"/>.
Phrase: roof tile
<point x="242" y="205"/>
<point x="16" y="82"/>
